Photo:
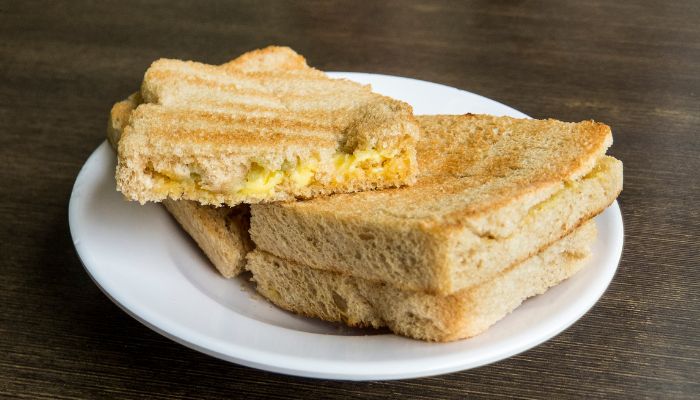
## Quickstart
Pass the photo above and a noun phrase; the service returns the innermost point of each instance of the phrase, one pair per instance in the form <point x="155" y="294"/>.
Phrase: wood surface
<point x="634" y="65"/>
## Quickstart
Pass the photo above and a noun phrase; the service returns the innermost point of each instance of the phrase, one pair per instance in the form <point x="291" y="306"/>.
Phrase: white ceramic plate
<point x="148" y="266"/>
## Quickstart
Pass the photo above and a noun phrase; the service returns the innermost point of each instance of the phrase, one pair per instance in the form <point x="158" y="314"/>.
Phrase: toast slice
<point x="333" y="296"/>
<point x="264" y="127"/>
<point x="492" y="192"/>
<point x="221" y="233"/>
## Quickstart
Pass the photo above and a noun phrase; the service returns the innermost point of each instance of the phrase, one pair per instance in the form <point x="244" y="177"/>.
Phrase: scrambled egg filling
<point x="368" y="163"/>
<point x="262" y="181"/>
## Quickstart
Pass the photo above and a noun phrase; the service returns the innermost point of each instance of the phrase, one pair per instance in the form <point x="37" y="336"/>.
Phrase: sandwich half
<point x="263" y="127"/>
<point x="493" y="191"/>
<point x="337" y="297"/>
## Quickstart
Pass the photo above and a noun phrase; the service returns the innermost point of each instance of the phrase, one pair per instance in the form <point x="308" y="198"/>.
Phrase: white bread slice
<point x="332" y="296"/>
<point x="492" y="192"/>
<point x="264" y="127"/>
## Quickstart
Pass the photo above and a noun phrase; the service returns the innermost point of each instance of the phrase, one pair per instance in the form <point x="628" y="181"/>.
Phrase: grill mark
<point x="202" y="72"/>
<point x="188" y="117"/>
<point x="298" y="92"/>
<point x="177" y="124"/>
<point x="174" y="83"/>
<point x="241" y="137"/>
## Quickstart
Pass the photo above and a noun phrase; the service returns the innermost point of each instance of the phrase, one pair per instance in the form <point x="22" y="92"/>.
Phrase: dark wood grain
<point x="633" y="65"/>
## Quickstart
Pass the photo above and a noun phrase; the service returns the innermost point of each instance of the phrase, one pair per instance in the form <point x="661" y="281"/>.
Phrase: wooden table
<point x="633" y="65"/>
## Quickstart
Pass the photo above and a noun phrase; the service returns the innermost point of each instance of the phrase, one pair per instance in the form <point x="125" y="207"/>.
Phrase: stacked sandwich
<point x="346" y="207"/>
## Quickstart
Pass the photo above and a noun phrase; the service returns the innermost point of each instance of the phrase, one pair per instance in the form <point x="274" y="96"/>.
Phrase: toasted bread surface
<point x="492" y="192"/>
<point x="333" y="296"/>
<point x="264" y="127"/>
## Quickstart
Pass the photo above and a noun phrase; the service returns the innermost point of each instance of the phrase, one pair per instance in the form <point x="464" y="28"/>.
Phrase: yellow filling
<point x="369" y="163"/>
<point x="261" y="181"/>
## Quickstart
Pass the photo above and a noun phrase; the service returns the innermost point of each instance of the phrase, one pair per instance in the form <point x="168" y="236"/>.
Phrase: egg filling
<point x="261" y="181"/>
<point x="370" y="164"/>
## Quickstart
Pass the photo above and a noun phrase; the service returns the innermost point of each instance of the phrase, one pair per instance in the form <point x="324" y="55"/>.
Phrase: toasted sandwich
<point x="493" y="192"/>
<point x="500" y="212"/>
<point x="263" y="127"/>
<point x="334" y="296"/>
